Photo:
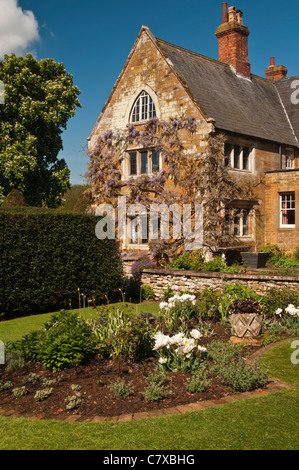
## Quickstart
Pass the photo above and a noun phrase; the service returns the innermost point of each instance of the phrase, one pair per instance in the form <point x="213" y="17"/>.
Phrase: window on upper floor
<point x="238" y="157"/>
<point x="143" y="108"/>
<point x="141" y="162"/>
<point x="287" y="210"/>
<point x="290" y="158"/>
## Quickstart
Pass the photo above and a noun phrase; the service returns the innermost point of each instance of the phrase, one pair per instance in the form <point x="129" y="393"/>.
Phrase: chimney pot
<point x="272" y="61"/>
<point x="224" y="12"/>
<point x="239" y="17"/>
<point x="232" y="14"/>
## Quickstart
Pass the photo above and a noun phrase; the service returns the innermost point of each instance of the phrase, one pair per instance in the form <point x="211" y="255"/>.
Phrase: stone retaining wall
<point x="190" y="281"/>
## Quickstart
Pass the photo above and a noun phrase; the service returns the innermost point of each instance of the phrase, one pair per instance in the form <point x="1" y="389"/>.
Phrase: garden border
<point x="274" y="385"/>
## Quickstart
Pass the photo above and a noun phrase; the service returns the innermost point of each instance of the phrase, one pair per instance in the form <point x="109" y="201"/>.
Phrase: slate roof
<point x="288" y="94"/>
<point x="249" y="107"/>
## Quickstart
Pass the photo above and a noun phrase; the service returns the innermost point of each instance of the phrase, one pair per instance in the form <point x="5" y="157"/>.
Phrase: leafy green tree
<point x="40" y="98"/>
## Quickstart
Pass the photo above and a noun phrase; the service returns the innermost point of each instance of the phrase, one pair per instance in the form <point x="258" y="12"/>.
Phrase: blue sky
<point x="93" y="39"/>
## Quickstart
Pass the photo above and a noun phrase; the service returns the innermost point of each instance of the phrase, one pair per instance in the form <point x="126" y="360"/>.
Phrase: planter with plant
<point x="246" y="318"/>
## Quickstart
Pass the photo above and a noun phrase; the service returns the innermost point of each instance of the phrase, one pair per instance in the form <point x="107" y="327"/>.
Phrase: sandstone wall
<point x="190" y="281"/>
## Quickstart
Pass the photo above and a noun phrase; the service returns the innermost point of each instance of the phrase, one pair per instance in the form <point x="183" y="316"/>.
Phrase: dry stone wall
<point x="161" y="279"/>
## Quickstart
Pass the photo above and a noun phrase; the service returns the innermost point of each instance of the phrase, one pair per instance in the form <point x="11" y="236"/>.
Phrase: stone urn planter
<point x="255" y="259"/>
<point x="246" y="318"/>
<point x="246" y="325"/>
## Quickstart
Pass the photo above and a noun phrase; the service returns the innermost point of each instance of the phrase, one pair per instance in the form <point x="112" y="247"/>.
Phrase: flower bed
<point x="124" y="363"/>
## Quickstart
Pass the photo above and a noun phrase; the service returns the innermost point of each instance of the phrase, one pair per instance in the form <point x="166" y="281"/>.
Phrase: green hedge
<point x="46" y="256"/>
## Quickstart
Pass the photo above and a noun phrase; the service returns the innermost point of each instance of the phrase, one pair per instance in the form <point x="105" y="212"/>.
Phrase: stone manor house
<point x="258" y="115"/>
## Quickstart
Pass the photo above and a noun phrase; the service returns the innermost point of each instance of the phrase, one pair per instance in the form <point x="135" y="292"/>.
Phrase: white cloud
<point x="18" y="28"/>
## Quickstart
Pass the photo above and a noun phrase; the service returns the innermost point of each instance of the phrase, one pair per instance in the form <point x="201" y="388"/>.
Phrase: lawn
<point x="269" y="422"/>
<point x="15" y="329"/>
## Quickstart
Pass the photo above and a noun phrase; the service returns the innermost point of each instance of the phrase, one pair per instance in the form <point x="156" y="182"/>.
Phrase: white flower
<point x="160" y="340"/>
<point x="177" y="339"/>
<point x="177" y="299"/>
<point x="186" y="346"/>
<point x="278" y="311"/>
<point x="162" y="360"/>
<point x="202" y="348"/>
<point x="195" y="334"/>
<point x="163" y="305"/>
<point x="292" y="310"/>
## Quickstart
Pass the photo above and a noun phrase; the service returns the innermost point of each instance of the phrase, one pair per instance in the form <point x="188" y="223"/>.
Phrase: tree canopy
<point x="40" y="98"/>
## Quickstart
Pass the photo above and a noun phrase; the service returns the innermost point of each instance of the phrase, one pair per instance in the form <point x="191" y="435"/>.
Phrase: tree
<point x="189" y="177"/>
<point x="40" y="98"/>
<point x="76" y="199"/>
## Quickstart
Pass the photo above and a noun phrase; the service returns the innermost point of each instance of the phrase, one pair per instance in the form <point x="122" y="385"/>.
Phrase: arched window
<point x="143" y="108"/>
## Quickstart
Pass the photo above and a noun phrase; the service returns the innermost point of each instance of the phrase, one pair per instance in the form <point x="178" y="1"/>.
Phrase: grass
<point x="268" y="422"/>
<point x="16" y="328"/>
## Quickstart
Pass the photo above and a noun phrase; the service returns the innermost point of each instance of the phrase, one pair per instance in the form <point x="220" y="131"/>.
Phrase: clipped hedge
<point x="47" y="255"/>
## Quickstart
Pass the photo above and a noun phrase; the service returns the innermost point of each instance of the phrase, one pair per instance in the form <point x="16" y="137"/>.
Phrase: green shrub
<point x="66" y="341"/>
<point x="47" y="255"/>
<point x="269" y="339"/>
<point x="167" y="293"/>
<point x="273" y="249"/>
<point x="207" y="304"/>
<point x="274" y="328"/>
<point x="122" y="389"/>
<point x="242" y="377"/>
<point x="157" y="377"/>
<point x="273" y="299"/>
<point x="48" y="382"/>
<point x="285" y="262"/>
<point x="199" y="381"/>
<point x="5" y="385"/>
<point x="239" y="291"/>
<point x="194" y="261"/>
<point x="190" y="260"/>
<point x="155" y="392"/>
<point x="219" y="265"/>
<point x="223" y="353"/>
<point x="147" y="293"/>
<point x="156" y="388"/>
<point x="73" y="401"/>
<point x="32" y="378"/>
<point x="19" y="392"/>
<point x="14" y="359"/>
<point x="279" y="257"/>
<point x="41" y="395"/>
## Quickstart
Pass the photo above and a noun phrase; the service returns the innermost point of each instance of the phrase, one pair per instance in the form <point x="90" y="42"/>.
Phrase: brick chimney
<point x="233" y="40"/>
<point x="275" y="72"/>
